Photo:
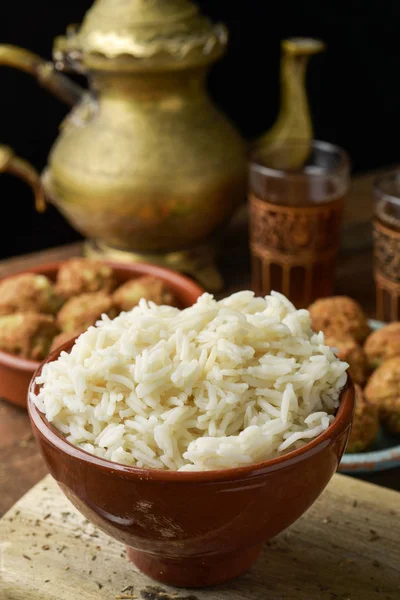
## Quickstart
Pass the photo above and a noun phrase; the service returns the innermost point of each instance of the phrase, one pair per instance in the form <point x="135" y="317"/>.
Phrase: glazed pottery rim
<point x="372" y="460"/>
<point x="141" y="268"/>
<point x="342" y="421"/>
<point x="17" y="362"/>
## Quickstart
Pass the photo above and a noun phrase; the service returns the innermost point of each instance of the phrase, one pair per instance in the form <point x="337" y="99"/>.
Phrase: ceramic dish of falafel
<point x="43" y="308"/>
<point x="372" y="350"/>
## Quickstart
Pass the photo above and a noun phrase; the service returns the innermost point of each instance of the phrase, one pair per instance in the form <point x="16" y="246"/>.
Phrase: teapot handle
<point x="10" y="163"/>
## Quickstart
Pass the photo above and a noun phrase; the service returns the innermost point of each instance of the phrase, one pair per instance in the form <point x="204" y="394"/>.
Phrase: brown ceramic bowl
<point x="16" y="373"/>
<point x="194" y="529"/>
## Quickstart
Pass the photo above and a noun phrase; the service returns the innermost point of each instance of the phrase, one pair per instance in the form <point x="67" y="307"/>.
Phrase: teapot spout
<point x="44" y="71"/>
<point x="294" y="119"/>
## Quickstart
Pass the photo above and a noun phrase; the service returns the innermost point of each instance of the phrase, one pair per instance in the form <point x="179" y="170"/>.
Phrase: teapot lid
<point x="141" y="33"/>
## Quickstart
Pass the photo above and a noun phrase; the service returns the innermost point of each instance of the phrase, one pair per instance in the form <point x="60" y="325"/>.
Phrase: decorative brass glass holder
<point x="387" y="272"/>
<point x="290" y="239"/>
<point x="197" y="262"/>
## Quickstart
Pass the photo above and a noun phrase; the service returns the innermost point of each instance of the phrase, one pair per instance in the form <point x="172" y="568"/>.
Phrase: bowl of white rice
<point x="194" y="435"/>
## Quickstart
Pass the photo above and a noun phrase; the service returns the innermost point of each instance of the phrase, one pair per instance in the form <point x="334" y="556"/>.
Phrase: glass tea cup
<point x="296" y="198"/>
<point x="386" y="231"/>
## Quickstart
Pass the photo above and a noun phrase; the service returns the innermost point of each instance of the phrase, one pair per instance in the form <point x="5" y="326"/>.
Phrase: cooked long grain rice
<point x="218" y="385"/>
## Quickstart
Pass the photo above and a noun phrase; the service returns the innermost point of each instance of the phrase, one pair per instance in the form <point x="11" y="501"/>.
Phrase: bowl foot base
<point x="195" y="571"/>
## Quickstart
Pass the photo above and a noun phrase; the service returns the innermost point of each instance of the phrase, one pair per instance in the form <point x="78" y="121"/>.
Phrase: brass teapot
<point x="145" y="166"/>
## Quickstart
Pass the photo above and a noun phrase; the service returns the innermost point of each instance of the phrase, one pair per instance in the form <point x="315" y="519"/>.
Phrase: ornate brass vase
<point x="145" y="166"/>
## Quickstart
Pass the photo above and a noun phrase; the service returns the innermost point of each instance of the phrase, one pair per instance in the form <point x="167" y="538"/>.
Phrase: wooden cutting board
<point x="346" y="547"/>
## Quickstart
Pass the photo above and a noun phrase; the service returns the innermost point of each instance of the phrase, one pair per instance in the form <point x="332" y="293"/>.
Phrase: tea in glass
<point x="386" y="227"/>
<point x="297" y="193"/>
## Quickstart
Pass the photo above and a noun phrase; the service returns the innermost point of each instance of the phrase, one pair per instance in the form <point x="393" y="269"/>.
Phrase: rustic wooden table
<point x="21" y="465"/>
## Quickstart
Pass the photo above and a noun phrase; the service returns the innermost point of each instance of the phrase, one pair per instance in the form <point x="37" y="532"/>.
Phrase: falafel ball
<point x="127" y="296"/>
<point x="28" y="335"/>
<point x="365" y="424"/>
<point x="340" y="317"/>
<point x="79" y="313"/>
<point x="84" y="275"/>
<point x="62" y="338"/>
<point x="28" y="292"/>
<point x="383" y="344"/>
<point x="351" y="352"/>
<point x="383" y="390"/>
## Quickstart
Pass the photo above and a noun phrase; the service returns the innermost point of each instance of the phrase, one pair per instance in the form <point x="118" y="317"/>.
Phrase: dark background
<point x="353" y="87"/>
